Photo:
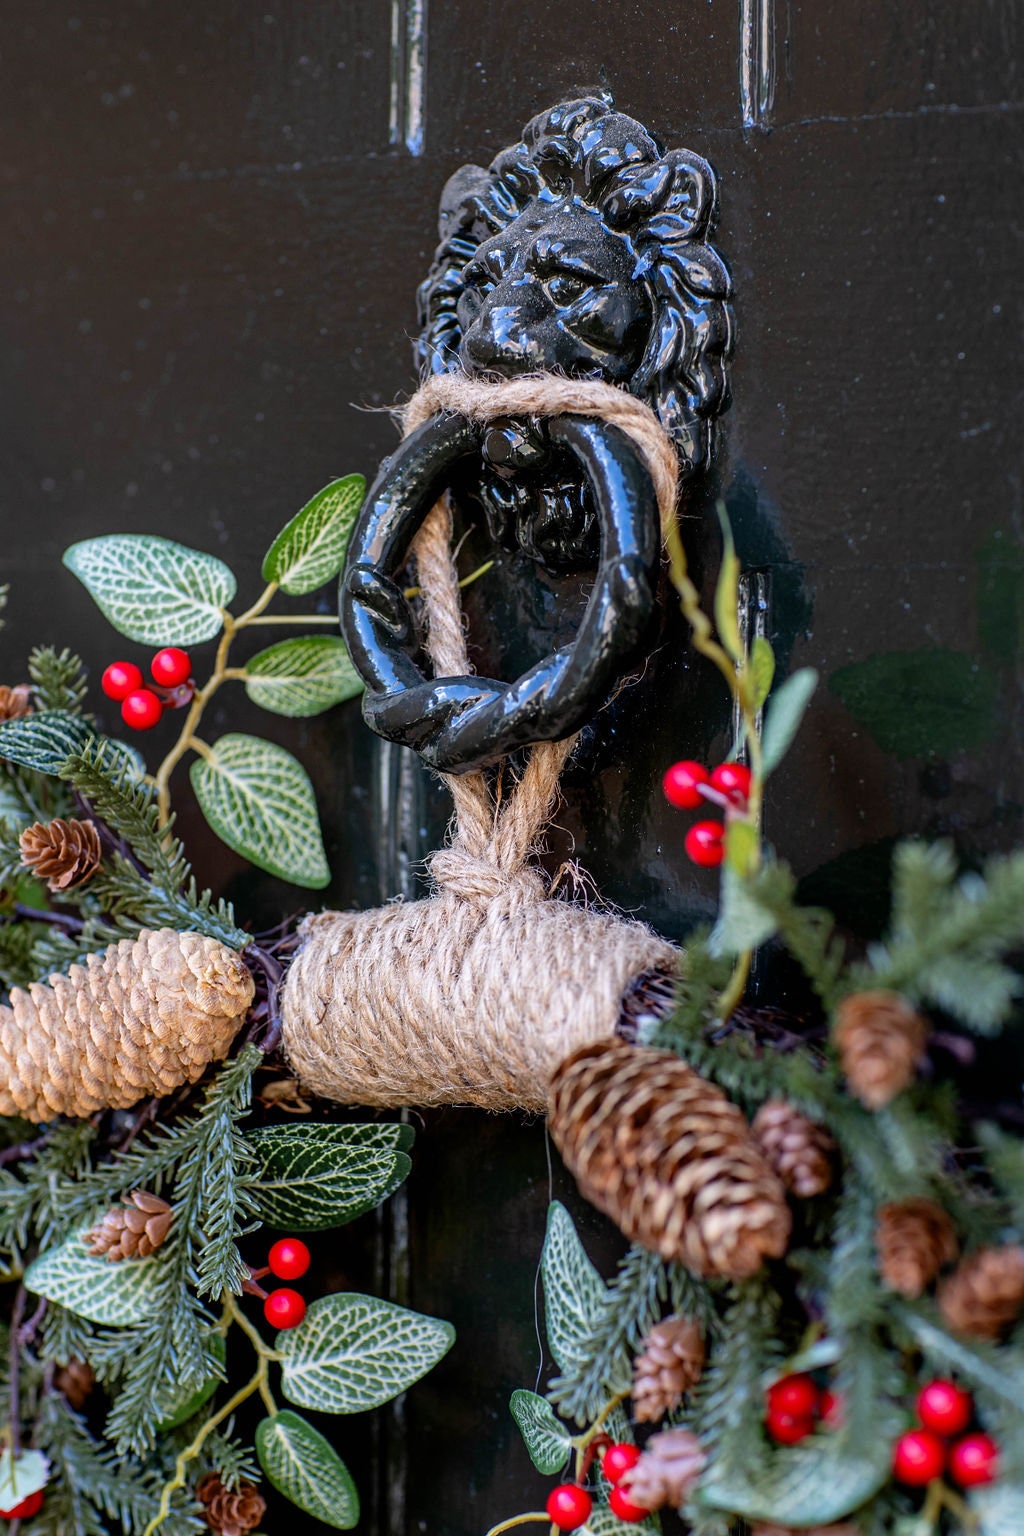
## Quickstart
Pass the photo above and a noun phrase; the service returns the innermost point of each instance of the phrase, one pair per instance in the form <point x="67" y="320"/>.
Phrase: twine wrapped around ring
<point x="475" y="994"/>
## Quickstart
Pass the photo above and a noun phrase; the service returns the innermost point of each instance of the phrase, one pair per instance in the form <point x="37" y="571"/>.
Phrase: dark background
<point x="214" y="220"/>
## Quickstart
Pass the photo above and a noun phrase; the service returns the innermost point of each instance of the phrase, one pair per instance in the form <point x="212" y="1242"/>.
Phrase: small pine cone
<point x="805" y="1530"/>
<point x="914" y="1238"/>
<point x="880" y="1041"/>
<point x="668" y="1158"/>
<point x="230" y="1513"/>
<point x="669" y="1465"/>
<point x="63" y="853"/>
<point x="132" y="1230"/>
<point x="799" y="1151"/>
<point x="143" y="1017"/>
<point x="985" y="1293"/>
<point x="670" y="1361"/>
<point x="15" y="702"/>
<point x="75" y="1381"/>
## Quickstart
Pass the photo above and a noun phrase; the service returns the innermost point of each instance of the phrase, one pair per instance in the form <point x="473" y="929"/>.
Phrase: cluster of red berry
<point x="569" y="1505"/>
<point x="288" y="1259"/>
<point x="795" y="1405"/>
<point x="944" y="1411"/>
<point x="688" y="786"/>
<point x="142" y="706"/>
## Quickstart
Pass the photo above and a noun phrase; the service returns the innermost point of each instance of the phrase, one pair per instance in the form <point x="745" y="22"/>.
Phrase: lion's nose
<point x="498" y="341"/>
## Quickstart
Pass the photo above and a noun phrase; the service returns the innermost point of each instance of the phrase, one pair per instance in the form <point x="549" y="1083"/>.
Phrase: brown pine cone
<point x="670" y="1361"/>
<point x="63" y="853"/>
<point x="143" y="1017"/>
<point x="668" y="1158"/>
<point x="132" y="1230"/>
<point x="75" y="1381"/>
<point x="805" y="1530"/>
<point x="15" y="702"/>
<point x="880" y="1040"/>
<point x="231" y="1514"/>
<point x="669" y="1465"/>
<point x="985" y="1293"/>
<point x="799" y="1151"/>
<point x="914" y="1238"/>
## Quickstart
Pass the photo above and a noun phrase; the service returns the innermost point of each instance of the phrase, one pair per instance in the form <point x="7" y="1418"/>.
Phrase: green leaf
<point x="727" y="593"/>
<point x="547" y="1439"/>
<point x="575" y="1296"/>
<point x="762" y="669"/>
<point x="998" y="1508"/>
<point x="309" y="1181"/>
<point x="741" y="846"/>
<point x="183" y="1408"/>
<point x="310" y="550"/>
<point x="154" y="590"/>
<point x="783" y="715"/>
<point x="116" y="1294"/>
<point x="816" y="1484"/>
<point x="259" y="800"/>
<point x="602" y="1522"/>
<point x="303" y="676"/>
<point x="21" y="1475"/>
<point x="304" y="1466"/>
<point x="44" y="741"/>
<point x="743" y="923"/>
<point x="921" y="703"/>
<point x="353" y="1352"/>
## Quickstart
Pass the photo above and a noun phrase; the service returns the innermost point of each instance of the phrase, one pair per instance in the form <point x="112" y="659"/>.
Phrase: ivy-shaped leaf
<point x="546" y="1437"/>
<point x="304" y="1466"/>
<point x="308" y="1181"/>
<point x="303" y="676"/>
<point x="353" y="1352"/>
<point x="783" y="715"/>
<point x="258" y="798"/>
<point x="310" y="550"/>
<point x="575" y="1296"/>
<point x="117" y="1295"/>
<point x="154" y="590"/>
<point x="44" y="741"/>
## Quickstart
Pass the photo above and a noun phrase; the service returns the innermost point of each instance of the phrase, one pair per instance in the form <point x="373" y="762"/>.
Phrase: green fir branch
<point x="58" y="678"/>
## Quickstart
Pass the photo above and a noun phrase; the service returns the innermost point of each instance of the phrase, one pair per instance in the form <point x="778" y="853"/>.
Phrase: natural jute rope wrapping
<point x="474" y="995"/>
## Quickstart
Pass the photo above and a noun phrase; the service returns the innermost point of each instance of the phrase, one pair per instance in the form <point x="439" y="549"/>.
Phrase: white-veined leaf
<point x="353" y="1352"/>
<point x="575" y="1296"/>
<point x="44" y="741"/>
<point x="817" y="1483"/>
<point x="546" y="1437"/>
<point x="154" y="590"/>
<point x="116" y="1294"/>
<point x="309" y="1181"/>
<point x="310" y="550"/>
<point x="21" y="1475"/>
<point x="303" y="676"/>
<point x="258" y="798"/>
<point x="180" y="1408"/>
<point x="784" y="711"/>
<point x="602" y="1522"/>
<point x="999" y="1509"/>
<point x="304" y="1466"/>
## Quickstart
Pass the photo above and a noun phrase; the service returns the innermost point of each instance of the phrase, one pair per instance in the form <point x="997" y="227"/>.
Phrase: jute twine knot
<point x="474" y="995"/>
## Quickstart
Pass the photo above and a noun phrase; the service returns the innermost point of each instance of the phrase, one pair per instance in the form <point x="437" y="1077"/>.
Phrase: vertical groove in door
<point x="408" y="86"/>
<point x="757" y="62"/>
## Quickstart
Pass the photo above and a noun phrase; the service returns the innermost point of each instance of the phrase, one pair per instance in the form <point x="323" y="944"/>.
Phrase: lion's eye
<point x="565" y="290"/>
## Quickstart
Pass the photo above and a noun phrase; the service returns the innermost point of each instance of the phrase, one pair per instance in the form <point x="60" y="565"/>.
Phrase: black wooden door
<point x="215" y="218"/>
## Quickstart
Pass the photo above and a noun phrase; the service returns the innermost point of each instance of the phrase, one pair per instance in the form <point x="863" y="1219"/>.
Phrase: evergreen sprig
<point x="58" y="678"/>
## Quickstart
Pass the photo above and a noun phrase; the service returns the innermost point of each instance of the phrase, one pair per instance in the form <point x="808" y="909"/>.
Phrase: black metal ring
<point x="461" y="723"/>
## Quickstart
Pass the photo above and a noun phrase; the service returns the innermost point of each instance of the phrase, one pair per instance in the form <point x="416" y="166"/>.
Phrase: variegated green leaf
<point x="44" y="741"/>
<point x="259" y="799"/>
<point x="355" y="1352"/>
<point x="181" y="1408"/>
<point x="304" y="1466"/>
<point x="21" y="1475"/>
<point x="546" y="1437"/>
<point x="602" y="1522"/>
<point x="310" y="550"/>
<point x="116" y="1294"/>
<point x="303" y="676"/>
<point x="575" y="1296"/>
<point x="309" y="1181"/>
<point x="154" y="590"/>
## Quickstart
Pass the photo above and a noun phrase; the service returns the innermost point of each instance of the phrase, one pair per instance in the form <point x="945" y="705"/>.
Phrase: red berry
<point x="30" y="1505"/>
<point x="796" y="1396"/>
<point x="120" y="679"/>
<point x="284" y="1308"/>
<point x="620" y="1503"/>
<point x="832" y="1409"/>
<point x="733" y="781"/>
<point x="288" y="1259"/>
<point x="680" y="785"/>
<point x="141" y="709"/>
<point x="918" y="1457"/>
<point x="171" y="667"/>
<point x="944" y="1408"/>
<point x="974" y="1460"/>
<point x="788" y="1428"/>
<point x="704" y="843"/>
<point x="568" y="1506"/>
<point x="618" y="1459"/>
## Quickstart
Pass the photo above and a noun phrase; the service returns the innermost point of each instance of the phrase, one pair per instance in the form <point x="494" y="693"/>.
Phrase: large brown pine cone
<point x="799" y="1151"/>
<point x="984" y="1295"/>
<point x="15" y="702"/>
<point x="668" y="1158"/>
<point x="914" y="1239"/>
<point x="669" y="1465"/>
<point x="75" y="1381"/>
<point x="230" y="1514"/>
<point x="881" y="1041"/>
<point x="670" y="1361"/>
<point x="63" y="853"/>
<point x="132" y="1230"/>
